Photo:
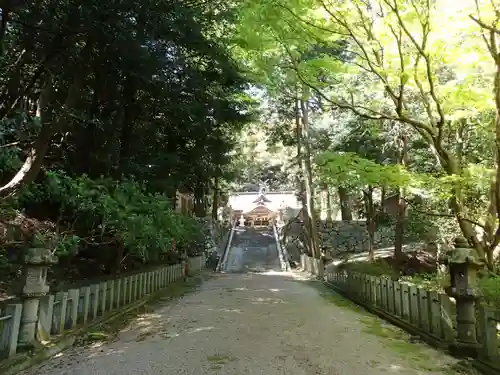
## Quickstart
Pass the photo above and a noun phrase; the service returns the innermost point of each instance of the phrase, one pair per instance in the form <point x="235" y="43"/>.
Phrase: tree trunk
<point x="399" y="227"/>
<point x="199" y="201"/>
<point x="300" y="181"/>
<point x="4" y="19"/>
<point x="401" y="208"/>
<point x="86" y="158"/>
<point x="307" y="168"/>
<point x="118" y="258"/>
<point x="36" y="154"/>
<point x="215" y="199"/>
<point x="9" y="102"/>
<point x="50" y="126"/>
<point x="328" y="205"/>
<point x="383" y="195"/>
<point x="127" y="126"/>
<point x="345" y="204"/>
<point x="370" y="221"/>
<point x="491" y="249"/>
<point x="452" y="166"/>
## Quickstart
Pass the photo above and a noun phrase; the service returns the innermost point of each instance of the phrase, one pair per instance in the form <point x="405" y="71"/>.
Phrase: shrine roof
<point x="247" y="201"/>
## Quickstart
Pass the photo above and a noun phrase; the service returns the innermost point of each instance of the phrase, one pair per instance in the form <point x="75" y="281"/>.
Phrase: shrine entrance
<point x="262" y="222"/>
<point x="260" y="216"/>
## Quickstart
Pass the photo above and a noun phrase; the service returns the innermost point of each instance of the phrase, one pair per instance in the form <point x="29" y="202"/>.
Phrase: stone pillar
<point x="463" y="264"/>
<point x="320" y="273"/>
<point x="37" y="262"/>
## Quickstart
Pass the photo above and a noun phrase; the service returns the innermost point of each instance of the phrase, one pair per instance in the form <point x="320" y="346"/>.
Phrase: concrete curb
<point x="24" y="361"/>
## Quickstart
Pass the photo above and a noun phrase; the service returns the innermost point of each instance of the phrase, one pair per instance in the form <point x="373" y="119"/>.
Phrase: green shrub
<point x="382" y="268"/>
<point x="379" y="268"/>
<point x="103" y="210"/>
<point x="490" y="290"/>
<point x="430" y="281"/>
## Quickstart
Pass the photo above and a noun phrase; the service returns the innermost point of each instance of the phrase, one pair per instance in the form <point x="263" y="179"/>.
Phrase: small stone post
<point x="463" y="263"/>
<point x="321" y="268"/>
<point x="37" y="262"/>
<point x="280" y="217"/>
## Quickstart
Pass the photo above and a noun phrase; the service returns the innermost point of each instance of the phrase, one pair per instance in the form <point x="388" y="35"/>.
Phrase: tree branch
<point x="437" y="214"/>
<point x="421" y="49"/>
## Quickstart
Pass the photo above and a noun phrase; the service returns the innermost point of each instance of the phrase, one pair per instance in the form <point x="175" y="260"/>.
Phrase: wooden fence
<point x="66" y="310"/>
<point x="428" y="314"/>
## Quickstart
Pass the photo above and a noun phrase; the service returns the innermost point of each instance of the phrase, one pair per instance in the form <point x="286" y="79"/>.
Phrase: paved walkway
<point x="266" y="324"/>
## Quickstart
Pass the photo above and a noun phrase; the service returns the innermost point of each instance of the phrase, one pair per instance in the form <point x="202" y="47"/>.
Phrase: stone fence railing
<point x="312" y="265"/>
<point x="431" y="315"/>
<point x="64" y="311"/>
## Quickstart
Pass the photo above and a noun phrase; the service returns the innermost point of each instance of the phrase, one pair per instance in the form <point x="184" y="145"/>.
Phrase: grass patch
<point x="340" y="301"/>
<point x="419" y="355"/>
<point x="217" y="361"/>
<point x="221" y="359"/>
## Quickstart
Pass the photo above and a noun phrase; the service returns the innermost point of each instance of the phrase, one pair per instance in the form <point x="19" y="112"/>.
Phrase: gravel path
<point x="238" y="324"/>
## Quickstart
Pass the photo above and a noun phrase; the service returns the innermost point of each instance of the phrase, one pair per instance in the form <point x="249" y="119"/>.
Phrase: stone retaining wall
<point x="341" y="236"/>
<point x="352" y="236"/>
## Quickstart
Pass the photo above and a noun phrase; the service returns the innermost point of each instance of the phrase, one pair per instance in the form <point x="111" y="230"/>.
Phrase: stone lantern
<point x="463" y="265"/>
<point x="281" y="215"/>
<point x="36" y="263"/>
